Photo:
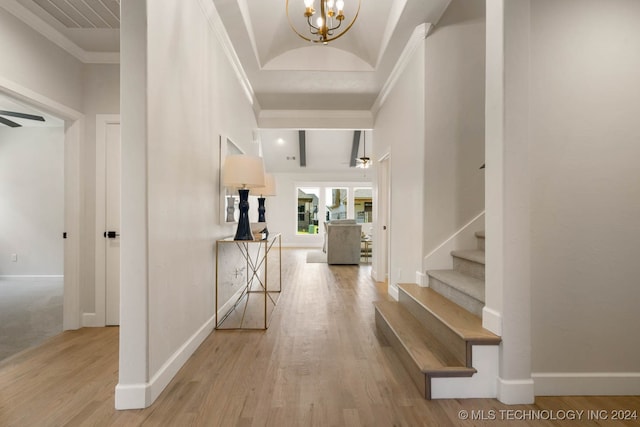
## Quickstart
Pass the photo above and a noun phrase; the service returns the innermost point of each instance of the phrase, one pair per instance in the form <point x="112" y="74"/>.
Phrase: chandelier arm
<point x="336" y="27"/>
<point x="323" y="40"/>
<point x="293" y="26"/>
<point x="312" y="26"/>
<point x="344" y="31"/>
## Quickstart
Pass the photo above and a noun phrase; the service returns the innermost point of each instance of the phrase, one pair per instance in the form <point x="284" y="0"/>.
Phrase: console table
<point x="248" y="280"/>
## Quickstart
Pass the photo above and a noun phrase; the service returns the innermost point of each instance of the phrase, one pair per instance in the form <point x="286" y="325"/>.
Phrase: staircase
<point x="437" y="331"/>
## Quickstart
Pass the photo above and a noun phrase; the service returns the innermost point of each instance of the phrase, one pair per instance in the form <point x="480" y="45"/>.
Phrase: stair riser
<point x="467" y="302"/>
<point x="469" y="268"/>
<point x="454" y="343"/>
<point x="417" y="376"/>
<point x="481" y="243"/>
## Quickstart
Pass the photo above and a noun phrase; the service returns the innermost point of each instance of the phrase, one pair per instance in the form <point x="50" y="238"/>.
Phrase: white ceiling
<point x="326" y="150"/>
<point x="284" y="71"/>
<point x="92" y="25"/>
<point x="289" y="73"/>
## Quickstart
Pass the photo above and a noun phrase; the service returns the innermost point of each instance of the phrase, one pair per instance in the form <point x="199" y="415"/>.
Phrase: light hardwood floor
<point x="320" y="363"/>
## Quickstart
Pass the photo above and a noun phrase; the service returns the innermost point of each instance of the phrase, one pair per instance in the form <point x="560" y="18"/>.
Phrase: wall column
<point x="132" y="388"/>
<point x="508" y="275"/>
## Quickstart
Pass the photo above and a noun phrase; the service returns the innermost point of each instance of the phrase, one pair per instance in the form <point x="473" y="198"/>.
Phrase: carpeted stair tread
<point x="462" y="282"/>
<point x="426" y="352"/>
<point x="480" y="234"/>
<point x="463" y="323"/>
<point x="474" y="255"/>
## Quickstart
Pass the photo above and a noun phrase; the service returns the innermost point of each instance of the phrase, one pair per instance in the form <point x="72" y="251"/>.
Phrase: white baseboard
<point x="464" y="238"/>
<point x="492" y="320"/>
<point x="515" y="392"/>
<point x="90" y="320"/>
<point x="171" y="367"/>
<point x="138" y="396"/>
<point x="587" y="383"/>
<point x="131" y="396"/>
<point x="31" y="276"/>
<point x="421" y="279"/>
<point x="392" y="290"/>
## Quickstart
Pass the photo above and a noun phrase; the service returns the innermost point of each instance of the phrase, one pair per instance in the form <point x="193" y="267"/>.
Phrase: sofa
<point x="342" y="241"/>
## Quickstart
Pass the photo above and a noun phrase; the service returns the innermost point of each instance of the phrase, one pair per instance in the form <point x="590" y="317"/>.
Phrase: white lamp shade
<point x="269" y="188"/>
<point x="243" y="171"/>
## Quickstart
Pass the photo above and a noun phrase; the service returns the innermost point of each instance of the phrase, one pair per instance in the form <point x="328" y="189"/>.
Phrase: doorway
<point x="31" y="225"/>
<point x="73" y="123"/>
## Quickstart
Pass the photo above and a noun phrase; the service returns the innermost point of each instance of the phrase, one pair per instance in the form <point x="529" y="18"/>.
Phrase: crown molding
<point x="215" y="22"/>
<point x="45" y="29"/>
<point x="315" y="119"/>
<point x="419" y="33"/>
<point x="37" y="100"/>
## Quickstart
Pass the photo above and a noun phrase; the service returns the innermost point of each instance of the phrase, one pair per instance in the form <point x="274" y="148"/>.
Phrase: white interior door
<point x="384" y="219"/>
<point x="112" y="222"/>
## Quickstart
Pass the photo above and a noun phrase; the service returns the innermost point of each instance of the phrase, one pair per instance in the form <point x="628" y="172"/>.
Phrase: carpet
<point x="30" y="312"/>
<point x="316" y="257"/>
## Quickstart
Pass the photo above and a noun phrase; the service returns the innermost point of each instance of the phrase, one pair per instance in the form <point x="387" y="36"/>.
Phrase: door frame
<point x="382" y="258"/>
<point x="73" y="136"/>
<point x="102" y="120"/>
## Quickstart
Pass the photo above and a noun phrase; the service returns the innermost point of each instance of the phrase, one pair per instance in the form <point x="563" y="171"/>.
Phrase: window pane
<point x="363" y="201"/>
<point x="308" y="199"/>
<point x="336" y="200"/>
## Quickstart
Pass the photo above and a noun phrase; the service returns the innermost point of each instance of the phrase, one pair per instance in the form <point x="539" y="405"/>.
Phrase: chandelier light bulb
<point x="330" y="23"/>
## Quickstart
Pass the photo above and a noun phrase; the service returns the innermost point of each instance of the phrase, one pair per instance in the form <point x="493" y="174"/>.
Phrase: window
<point x="308" y="199"/>
<point x="336" y="200"/>
<point x="363" y="205"/>
<point x="317" y="203"/>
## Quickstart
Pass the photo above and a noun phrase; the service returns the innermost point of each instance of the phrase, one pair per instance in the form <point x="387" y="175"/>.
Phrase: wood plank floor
<point x="320" y="363"/>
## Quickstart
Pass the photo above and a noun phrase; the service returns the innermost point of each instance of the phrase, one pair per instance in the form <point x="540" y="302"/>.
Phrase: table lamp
<point x="243" y="172"/>
<point x="269" y="189"/>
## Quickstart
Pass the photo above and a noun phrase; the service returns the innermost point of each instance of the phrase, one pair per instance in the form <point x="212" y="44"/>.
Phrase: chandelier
<point x="363" y="162"/>
<point x="324" y="25"/>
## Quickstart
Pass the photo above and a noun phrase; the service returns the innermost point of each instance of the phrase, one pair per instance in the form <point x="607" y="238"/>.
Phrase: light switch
<point x="14" y="257"/>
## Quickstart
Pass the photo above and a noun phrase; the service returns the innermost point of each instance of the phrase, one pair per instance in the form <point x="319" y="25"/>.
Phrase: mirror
<point x="229" y="198"/>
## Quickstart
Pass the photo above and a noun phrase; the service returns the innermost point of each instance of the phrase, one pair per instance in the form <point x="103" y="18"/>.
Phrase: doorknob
<point x="111" y="234"/>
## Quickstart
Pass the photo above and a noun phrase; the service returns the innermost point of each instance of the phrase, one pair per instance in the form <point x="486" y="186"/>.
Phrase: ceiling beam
<point x="354" y="148"/>
<point x="302" y="141"/>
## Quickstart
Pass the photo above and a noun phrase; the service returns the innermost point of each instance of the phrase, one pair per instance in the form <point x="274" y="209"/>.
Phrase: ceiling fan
<point x="363" y="162"/>
<point x="13" y="124"/>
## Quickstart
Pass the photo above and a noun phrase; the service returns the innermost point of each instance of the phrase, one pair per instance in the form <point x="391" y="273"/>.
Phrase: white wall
<point x="454" y="121"/>
<point x="32" y="61"/>
<point x="399" y="131"/>
<point x="31" y="200"/>
<point x="585" y="195"/>
<point x="170" y="186"/>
